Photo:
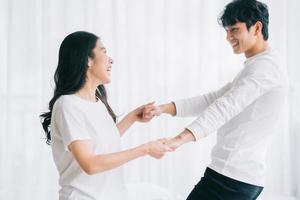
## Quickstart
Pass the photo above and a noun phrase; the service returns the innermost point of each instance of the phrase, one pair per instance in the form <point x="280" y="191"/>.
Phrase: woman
<point x="81" y="125"/>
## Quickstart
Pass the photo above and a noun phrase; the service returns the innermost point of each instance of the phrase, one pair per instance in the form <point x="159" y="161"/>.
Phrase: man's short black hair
<point x="246" y="11"/>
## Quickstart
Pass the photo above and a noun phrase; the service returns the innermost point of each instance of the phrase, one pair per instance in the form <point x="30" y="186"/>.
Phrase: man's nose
<point x="229" y="36"/>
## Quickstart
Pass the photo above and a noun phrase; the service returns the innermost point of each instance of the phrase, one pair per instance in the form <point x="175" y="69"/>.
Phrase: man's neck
<point x="256" y="49"/>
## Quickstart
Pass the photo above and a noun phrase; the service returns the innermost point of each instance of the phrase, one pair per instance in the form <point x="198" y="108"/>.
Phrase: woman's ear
<point x="90" y="62"/>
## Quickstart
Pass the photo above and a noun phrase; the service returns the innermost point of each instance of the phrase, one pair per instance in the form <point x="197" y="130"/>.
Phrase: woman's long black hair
<point x="70" y="74"/>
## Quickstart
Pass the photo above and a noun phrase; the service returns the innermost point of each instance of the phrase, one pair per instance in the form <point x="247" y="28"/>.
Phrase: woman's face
<point x="99" y="66"/>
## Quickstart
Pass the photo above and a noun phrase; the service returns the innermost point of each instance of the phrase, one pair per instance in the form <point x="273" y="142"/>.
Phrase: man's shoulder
<point x="268" y="60"/>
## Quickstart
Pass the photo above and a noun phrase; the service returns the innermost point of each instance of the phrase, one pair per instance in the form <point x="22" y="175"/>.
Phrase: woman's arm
<point x="135" y="116"/>
<point x="92" y="163"/>
<point x="126" y="123"/>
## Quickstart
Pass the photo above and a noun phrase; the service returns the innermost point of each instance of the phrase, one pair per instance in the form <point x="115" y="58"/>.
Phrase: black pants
<point x="214" y="186"/>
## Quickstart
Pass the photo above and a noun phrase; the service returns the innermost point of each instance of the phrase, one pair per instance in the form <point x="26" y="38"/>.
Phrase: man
<point x="243" y="112"/>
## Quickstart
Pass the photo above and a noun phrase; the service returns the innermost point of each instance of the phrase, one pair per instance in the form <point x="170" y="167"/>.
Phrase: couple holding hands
<point x="85" y="136"/>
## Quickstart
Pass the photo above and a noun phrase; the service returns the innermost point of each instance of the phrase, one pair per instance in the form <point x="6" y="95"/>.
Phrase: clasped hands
<point x="157" y="148"/>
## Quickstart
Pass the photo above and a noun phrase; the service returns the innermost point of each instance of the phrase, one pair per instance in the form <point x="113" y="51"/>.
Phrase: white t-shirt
<point x="244" y="113"/>
<point x="73" y="119"/>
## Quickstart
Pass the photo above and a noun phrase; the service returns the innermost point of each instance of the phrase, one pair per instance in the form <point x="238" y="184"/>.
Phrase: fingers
<point x="148" y="112"/>
<point x="151" y="110"/>
<point x="151" y="103"/>
<point x="159" y="146"/>
<point x="173" y="143"/>
<point x="157" y="111"/>
<point x="163" y="140"/>
<point x="157" y="155"/>
<point x="149" y="106"/>
<point x="165" y="146"/>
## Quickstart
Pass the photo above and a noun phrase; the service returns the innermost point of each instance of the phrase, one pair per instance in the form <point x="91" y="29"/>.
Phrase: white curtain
<point x="163" y="50"/>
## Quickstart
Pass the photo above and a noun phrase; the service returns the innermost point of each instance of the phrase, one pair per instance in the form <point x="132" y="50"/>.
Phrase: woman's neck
<point x="88" y="92"/>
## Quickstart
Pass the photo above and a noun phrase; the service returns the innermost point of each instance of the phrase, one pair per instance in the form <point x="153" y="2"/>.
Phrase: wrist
<point x="168" y="108"/>
<point x="132" y="117"/>
<point x="144" y="149"/>
<point x="185" y="136"/>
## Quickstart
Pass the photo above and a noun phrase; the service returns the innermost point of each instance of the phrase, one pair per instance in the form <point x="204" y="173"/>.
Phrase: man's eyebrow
<point x="231" y="27"/>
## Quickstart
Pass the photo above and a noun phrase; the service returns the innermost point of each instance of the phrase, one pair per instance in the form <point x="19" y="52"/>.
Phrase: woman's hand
<point x="152" y="111"/>
<point x="137" y="115"/>
<point x="174" y="143"/>
<point x="158" y="148"/>
<point x="144" y="112"/>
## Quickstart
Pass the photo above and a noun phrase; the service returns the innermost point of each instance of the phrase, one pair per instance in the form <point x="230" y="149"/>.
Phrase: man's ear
<point x="258" y="28"/>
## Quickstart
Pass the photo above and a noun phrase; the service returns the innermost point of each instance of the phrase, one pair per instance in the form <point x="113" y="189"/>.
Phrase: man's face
<point x="240" y="38"/>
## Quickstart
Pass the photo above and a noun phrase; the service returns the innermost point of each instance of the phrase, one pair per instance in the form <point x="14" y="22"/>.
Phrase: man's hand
<point x="174" y="143"/>
<point x="139" y="113"/>
<point x="158" y="148"/>
<point x="152" y="111"/>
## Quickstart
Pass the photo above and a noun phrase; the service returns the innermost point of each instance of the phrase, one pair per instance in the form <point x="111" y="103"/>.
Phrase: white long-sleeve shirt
<point x="244" y="113"/>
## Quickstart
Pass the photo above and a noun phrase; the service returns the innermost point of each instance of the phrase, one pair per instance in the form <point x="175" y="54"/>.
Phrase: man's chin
<point x="237" y="51"/>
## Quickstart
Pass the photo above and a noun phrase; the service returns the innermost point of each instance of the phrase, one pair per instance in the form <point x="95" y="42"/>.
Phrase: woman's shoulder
<point x="66" y="99"/>
<point x="74" y="104"/>
<point x="66" y="102"/>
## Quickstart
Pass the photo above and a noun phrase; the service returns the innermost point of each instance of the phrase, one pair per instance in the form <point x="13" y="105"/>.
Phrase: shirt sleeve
<point x="191" y="107"/>
<point x="255" y="81"/>
<point x="70" y="123"/>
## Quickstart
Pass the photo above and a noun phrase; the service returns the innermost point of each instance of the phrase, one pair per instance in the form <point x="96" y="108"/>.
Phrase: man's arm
<point x="192" y="107"/>
<point x="182" y="138"/>
<point x="255" y="82"/>
<point x="168" y="108"/>
<point x="189" y="107"/>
